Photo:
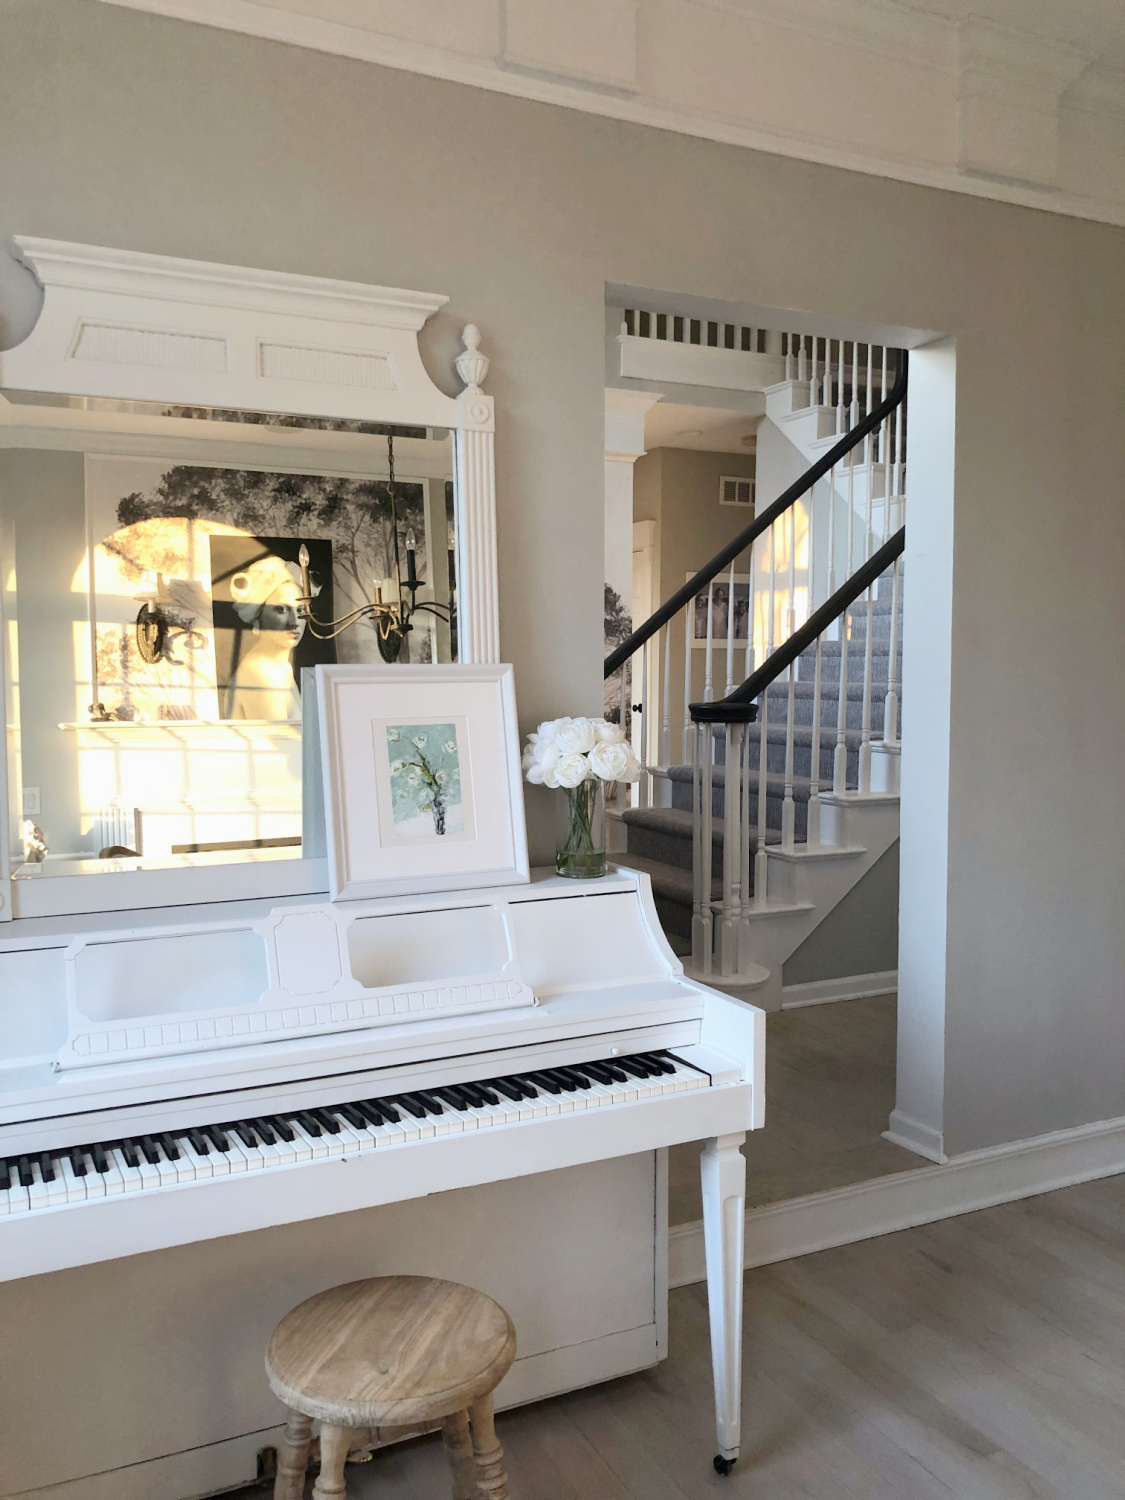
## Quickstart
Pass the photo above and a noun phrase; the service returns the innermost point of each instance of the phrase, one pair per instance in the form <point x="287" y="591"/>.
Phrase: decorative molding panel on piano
<point x="300" y="972"/>
<point x="124" y="324"/>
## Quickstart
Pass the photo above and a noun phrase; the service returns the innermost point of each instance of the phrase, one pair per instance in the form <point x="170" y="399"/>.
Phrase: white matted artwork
<point x="422" y="783"/>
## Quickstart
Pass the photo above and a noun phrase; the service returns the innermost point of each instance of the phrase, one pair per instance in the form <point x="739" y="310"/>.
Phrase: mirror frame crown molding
<point x="132" y="326"/>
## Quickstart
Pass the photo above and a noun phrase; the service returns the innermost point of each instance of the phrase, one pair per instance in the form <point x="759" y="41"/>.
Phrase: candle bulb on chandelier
<point x="306" y="590"/>
<point x="411" y="568"/>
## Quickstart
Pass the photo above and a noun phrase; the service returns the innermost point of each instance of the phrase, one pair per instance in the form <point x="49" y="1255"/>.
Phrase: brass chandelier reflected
<point x="392" y="617"/>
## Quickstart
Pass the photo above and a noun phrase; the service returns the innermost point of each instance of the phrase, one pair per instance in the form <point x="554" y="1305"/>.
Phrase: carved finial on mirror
<point x="472" y="366"/>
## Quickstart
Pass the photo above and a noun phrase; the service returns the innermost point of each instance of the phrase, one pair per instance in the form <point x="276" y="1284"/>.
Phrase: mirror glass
<point x="168" y="574"/>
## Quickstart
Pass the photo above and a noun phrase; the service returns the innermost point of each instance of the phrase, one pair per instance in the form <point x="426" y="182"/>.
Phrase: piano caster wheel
<point x="723" y="1465"/>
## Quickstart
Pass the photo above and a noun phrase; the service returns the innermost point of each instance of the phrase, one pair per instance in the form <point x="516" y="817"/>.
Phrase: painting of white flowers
<point x="425" y="772"/>
<point x="421" y="776"/>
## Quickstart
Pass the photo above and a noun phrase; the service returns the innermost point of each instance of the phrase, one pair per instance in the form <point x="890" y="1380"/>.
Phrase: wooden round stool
<point x="397" y="1351"/>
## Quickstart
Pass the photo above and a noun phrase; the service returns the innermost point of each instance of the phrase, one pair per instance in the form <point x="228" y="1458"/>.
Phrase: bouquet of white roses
<point x="567" y="752"/>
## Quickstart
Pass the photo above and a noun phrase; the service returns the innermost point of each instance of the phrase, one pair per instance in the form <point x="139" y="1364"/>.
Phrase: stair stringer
<point x="806" y="882"/>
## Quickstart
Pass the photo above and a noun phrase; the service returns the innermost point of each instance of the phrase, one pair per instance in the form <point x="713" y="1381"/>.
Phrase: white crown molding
<point x="896" y="34"/>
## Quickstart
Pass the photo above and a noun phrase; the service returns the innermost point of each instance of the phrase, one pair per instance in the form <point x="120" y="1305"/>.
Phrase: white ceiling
<point x="706" y="429"/>
<point x="1020" y="100"/>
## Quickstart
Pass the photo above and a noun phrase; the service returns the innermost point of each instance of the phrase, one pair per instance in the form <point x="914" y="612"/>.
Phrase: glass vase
<point x="581" y="841"/>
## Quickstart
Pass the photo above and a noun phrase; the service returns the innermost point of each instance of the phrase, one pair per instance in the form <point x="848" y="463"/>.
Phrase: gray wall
<point x="679" y="489"/>
<point x="858" y="936"/>
<point x="128" y="129"/>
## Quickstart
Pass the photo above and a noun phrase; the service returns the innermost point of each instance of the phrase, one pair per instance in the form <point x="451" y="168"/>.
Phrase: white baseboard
<point x="850" y="987"/>
<point x="978" y="1179"/>
<point x="915" y="1135"/>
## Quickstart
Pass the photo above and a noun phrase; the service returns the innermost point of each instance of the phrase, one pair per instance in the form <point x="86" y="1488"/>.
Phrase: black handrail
<point x="707" y="574"/>
<point x="732" y="709"/>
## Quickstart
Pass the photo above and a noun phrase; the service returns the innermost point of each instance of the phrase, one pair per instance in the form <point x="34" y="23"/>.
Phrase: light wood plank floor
<point x="830" y="1089"/>
<point x="982" y="1358"/>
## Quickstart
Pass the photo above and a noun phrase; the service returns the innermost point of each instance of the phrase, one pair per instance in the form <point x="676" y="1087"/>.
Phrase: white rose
<point x="607" y="733"/>
<point x="614" y="762"/>
<point x="571" y="770"/>
<point x="575" y="736"/>
<point x="547" y="730"/>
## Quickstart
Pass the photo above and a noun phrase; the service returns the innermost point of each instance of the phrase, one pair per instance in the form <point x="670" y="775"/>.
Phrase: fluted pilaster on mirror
<point x="478" y="623"/>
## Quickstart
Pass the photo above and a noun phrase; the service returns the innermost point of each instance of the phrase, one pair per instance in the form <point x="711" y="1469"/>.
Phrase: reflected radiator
<point x="119" y="827"/>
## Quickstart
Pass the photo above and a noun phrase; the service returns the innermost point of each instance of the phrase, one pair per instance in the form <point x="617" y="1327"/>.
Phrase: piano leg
<point x="723" y="1170"/>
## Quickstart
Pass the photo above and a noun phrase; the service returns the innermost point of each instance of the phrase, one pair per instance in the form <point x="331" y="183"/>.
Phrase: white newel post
<point x="723" y="1174"/>
<point x="478" y="601"/>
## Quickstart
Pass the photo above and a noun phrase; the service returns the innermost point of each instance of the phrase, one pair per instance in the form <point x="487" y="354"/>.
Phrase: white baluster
<point x="732" y="862"/>
<point x="761" y="862"/>
<point x="802" y="359"/>
<point x="708" y="692"/>
<point x="841" y="414"/>
<point x="746" y="897"/>
<point x="750" y="618"/>
<point x="812" y="834"/>
<point x="699" y="948"/>
<point x="864" y="780"/>
<point x="730" y="631"/>
<point x="689" y="628"/>
<point x="833" y="501"/>
<point x="788" y="337"/>
<point x="840" y="760"/>
<point x="788" y="809"/>
<point x="853" y="415"/>
<point x="666" y="698"/>
<point x="706" y="846"/>
<point x="643" y="787"/>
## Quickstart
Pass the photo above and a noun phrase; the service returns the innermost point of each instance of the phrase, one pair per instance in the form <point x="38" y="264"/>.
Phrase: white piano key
<point x="185" y="1167"/>
<point x="300" y="1145"/>
<point x="37" y="1192"/>
<point x="284" y="1153"/>
<point x="114" y="1181"/>
<point x="18" y="1197"/>
<point x="57" y="1194"/>
<point x="203" y="1166"/>
<point x="165" y="1169"/>
<point x="316" y="1145"/>
<point x="130" y="1176"/>
<point x="95" y="1181"/>
<point x="75" y="1185"/>
<point x="355" y="1141"/>
<point x="236" y="1153"/>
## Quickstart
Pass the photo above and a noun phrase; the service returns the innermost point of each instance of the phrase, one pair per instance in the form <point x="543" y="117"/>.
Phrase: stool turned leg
<point x="293" y="1459"/>
<point x="492" y="1482"/>
<point x="459" y="1450"/>
<point x="334" y="1445"/>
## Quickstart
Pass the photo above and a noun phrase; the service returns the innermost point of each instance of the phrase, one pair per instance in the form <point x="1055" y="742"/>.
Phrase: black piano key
<point x="169" y="1147"/>
<point x="387" y="1110"/>
<point x="77" y="1160"/>
<point x="451" y="1096"/>
<point x="638" y="1070"/>
<point x="370" y="1112"/>
<point x="149" y="1149"/>
<point x="487" y="1093"/>
<point x="97" y="1152"/>
<point x="564" y="1080"/>
<point x="200" y="1144"/>
<point x="508" y="1088"/>
<point x="265" y="1132"/>
<point x="129" y="1152"/>
<point x="5" y="1174"/>
<point x="411" y="1106"/>
<point x="471" y="1092"/>
<point x="433" y="1106"/>
<point x="660" y="1060"/>
<point x="580" y="1080"/>
<point x="308" y="1122"/>
<point x="545" y="1081"/>
<point x="217" y="1138"/>
<point x="26" y="1175"/>
<point x="615" y="1071"/>
<point x="245" y="1132"/>
<point x="352" y="1115"/>
<point x="595" y="1071"/>
<point x="46" y="1167"/>
<point x="283" y="1128"/>
<point x="327" y="1119"/>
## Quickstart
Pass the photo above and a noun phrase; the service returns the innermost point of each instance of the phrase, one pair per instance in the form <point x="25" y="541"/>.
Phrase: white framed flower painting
<point x="421" y="779"/>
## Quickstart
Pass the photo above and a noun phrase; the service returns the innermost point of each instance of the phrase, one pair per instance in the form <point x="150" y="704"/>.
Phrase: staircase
<point x="786" y="791"/>
<point x="660" y="838"/>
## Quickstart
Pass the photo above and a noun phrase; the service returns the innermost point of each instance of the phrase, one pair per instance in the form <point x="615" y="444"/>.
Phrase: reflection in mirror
<point x="172" y="571"/>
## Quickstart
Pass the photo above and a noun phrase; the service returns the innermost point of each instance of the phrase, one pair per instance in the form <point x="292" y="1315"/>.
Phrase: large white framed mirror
<point x="205" y="471"/>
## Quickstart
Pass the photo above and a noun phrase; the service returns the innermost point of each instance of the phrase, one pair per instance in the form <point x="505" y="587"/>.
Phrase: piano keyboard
<point x="52" y="1179"/>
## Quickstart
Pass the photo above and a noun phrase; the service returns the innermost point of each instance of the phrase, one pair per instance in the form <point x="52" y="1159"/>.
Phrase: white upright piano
<point x="329" y="1058"/>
